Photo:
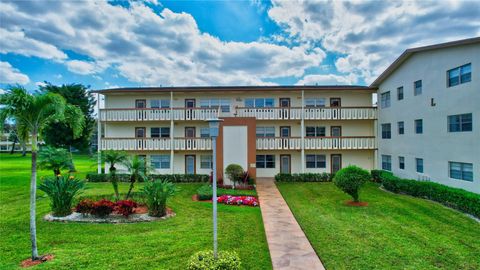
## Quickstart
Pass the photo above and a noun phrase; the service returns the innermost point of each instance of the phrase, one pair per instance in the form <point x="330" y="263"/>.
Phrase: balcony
<point x="314" y="113"/>
<point x="274" y="113"/>
<point x="316" y="143"/>
<point x="155" y="144"/>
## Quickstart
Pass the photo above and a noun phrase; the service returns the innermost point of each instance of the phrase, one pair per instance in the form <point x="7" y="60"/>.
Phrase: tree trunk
<point x="113" y="179"/>
<point x="33" y="195"/>
<point x="72" y="165"/>
<point x="132" y="183"/>
<point x="13" y="145"/>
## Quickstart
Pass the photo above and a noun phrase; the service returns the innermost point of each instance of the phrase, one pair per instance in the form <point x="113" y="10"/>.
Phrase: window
<point x="459" y="75"/>
<point x="400" y="93"/>
<point x="386" y="131"/>
<point x="215" y="103"/>
<point x="386" y="162"/>
<point x="205" y="132"/>
<point x="385" y="100"/>
<point x="265" y="132"/>
<point x="460" y="122"/>
<point x="163" y="132"/>
<point x="265" y="161"/>
<point x="259" y="102"/>
<point x="417" y="88"/>
<point x="401" y="163"/>
<point x="314" y="102"/>
<point x="419" y="164"/>
<point x="315" y="132"/>
<point x="160" y="103"/>
<point x="316" y="161"/>
<point x="206" y="162"/>
<point x="419" y="126"/>
<point x="160" y="161"/>
<point x="462" y="171"/>
<point x="401" y="127"/>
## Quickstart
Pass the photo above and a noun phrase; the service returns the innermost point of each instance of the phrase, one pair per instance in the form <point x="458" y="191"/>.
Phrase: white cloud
<point x="2" y="91"/>
<point x="11" y="75"/>
<point x="328" y="79"/>
<point x="150" y="48"/>
<point x="40" y="84"/>
<point x="371" y="34"/>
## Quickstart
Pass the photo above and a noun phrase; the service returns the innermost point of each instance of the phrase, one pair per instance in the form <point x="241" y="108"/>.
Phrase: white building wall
<point x="436" y="145"/>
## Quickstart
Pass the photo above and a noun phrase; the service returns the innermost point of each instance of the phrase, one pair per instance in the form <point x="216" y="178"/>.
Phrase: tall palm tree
<point x="138" y="170"/>
<point x="32" y="113"/>
<point x="113" y="158"/>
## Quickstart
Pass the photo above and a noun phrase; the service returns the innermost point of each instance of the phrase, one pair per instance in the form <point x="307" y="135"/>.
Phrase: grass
<point x="393" y="232"/>
<point x="157" y="245"/>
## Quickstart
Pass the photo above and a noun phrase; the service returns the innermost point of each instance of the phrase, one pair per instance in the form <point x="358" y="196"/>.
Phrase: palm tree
<point x="138" y="170"/>
<point x="55" y="159"/>
<point x="113" y="157"/>
<point x="32" y="113"/>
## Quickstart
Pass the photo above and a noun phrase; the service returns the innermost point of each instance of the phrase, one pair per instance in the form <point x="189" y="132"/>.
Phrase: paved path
<point x="289" y="247"/>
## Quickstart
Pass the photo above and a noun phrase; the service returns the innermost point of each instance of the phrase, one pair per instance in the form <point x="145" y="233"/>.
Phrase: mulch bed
<point x="28" y="262"/>
<point x="140" y="215"/>
<point x="357" y="204"/>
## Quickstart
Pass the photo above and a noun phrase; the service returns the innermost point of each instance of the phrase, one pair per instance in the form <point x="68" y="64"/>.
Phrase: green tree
<point x="60" y="134"/>
<point x="113" y="158"/>
<point x="235" y="173"/>
<point x="350" y="179"/>
<point x="138" y="169"/>
<point x="32" y="113"/>
<point x="55" y="159"/>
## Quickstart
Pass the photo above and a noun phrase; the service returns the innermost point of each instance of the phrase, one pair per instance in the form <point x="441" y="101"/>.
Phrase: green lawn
<point x="393" y="232"/>
<point x="157" y="245"/>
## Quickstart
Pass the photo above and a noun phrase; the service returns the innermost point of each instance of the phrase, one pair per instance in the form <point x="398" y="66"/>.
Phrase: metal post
<point x="302" y="126"/>
<point x="214" y="197"/>
<point x="99" y="136"/>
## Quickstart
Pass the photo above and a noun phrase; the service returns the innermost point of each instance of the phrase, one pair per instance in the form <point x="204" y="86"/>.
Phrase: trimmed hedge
<point x="174" y="178"/>
<point x="467" y="202"/>
<point x="304" y="177"/>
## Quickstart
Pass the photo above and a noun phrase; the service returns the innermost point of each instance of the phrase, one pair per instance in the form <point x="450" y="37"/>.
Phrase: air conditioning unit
<point x="423" y="177"/>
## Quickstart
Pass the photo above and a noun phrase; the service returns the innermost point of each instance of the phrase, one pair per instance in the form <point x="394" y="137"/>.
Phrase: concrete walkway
<point x="288" y="245"/>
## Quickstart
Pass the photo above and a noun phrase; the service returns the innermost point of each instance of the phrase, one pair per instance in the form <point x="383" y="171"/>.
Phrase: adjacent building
<point x="429" y="114"/>
<point x="265" y="129"/>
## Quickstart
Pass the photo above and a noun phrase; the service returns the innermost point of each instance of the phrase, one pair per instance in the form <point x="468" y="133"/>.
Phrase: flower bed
<point x="238" y="200"/>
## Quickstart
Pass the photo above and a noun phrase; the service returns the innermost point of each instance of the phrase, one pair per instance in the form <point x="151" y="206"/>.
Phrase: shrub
<point x="377" y="175"/>
<point x="303" y="177"/>
<point x="350" y="179"/>
<point x="156" y="194"/>
<point x="55" y="159"/>
<point x="456" y="198"/>
<point x="61" y="191"/>
<point x="102" y="208"/>
<point x="205" y="192"/>
<point x="238" y="200"/>
<point x="204" y="260"/>
<point x="84" y="206"/>
<point x="125" y="207"/>
<point x="235" y="173"/>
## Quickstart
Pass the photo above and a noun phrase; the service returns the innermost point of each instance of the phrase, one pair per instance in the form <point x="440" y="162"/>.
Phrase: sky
<point x="109" y="44"/>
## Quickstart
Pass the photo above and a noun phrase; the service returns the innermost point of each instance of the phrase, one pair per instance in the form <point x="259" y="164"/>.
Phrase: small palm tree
<point x="113" y="158"/>
<point x="55" y="159"/>
<point x="32" y="113"/>
<point x="138" y="170"/>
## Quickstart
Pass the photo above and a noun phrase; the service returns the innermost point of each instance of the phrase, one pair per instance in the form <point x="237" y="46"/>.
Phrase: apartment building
<point x="265" y="129"/>
<point x="429" y="114"/>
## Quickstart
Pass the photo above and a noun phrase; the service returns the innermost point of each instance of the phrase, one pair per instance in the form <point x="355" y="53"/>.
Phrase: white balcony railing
<point x="158" y="144"/>
<point x="314" y="113"/>
<point x="315" y="143"/>
<point x="274" y="113"/>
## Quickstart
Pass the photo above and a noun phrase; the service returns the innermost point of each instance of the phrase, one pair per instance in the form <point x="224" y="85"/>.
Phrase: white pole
<point x="214" y="197"/>
<point x="302" y="126"/>
<point x="99" y="135"/>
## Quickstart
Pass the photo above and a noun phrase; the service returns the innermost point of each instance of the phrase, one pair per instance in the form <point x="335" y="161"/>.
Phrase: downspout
<point x="302" y="126"/>
<point x="99" y="135"/>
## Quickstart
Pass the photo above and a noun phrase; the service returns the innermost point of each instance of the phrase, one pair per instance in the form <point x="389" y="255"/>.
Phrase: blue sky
<point x="152" y="43"/>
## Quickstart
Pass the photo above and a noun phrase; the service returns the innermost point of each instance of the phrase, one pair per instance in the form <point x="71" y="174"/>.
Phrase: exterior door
<point x="335" y="102"/>
<point x="284" y="102"/>
<point x="285" y="134"/>
<point x="285" y="164"/>
<point x="189" y="137"/>
<point x="189" y="112"/>
<point x="336" y="132"/>
<point x="189" y="103"/>
<point x="285" y="105"/>
<point x="335" y="162"/>
<point x="140" y="134"/>
<point x="141" y="104"/>
<point x="190" y="164"/>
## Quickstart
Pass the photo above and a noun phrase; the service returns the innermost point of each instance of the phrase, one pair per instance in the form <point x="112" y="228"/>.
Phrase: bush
<point x="204" y="260"/>
<point x="303" y="177"/>
<point x="174" y="178"/>
<point x="125" y="207"/>
<point x="456" y="198"/>
<point x="102" y="208"/>
<point x="235" y="173"/>
<point x="61" y="191"/>
<point x="205" y="192"/>
<point x="156" y="194"/>
<point x="377" y="175"/>
<point x="55" y="159"/>
<point x="84" y="206"/>
<point x="350" y="179"/>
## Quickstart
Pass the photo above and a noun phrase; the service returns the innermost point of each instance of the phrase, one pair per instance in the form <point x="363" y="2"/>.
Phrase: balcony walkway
<point x="288" y="245"/>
